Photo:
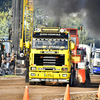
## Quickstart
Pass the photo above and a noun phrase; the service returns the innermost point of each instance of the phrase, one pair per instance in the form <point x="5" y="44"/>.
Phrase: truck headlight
<point x="32" y="74"/>
<point x="33" y="68"/>
<point x="40" y="68"/>
<point x="64" y="69"/>
<point x="57" y="69"/>
<point x="61" y="30"/>
<point x="38" y="29"/>
<point x="64" y="75"/>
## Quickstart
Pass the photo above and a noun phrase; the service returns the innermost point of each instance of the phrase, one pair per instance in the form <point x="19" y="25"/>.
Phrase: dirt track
<point x="13" y="89"/>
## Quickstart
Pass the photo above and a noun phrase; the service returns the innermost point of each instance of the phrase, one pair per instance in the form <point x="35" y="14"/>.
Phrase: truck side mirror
<point x="93" y="56"/>
<point x="27" y="44"/>
<point x="21" y="43"/>
<point x="72" y="45"/>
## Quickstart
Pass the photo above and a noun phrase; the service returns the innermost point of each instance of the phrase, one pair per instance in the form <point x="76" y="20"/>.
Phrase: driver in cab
<point x="63" y="43"/>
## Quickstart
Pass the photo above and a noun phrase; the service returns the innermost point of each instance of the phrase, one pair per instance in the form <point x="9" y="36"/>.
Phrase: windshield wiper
<point x="38" y="48"/>
<point x="55" y="48"/>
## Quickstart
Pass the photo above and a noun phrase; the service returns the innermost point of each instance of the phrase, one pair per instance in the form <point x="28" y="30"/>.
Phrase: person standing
<point x="12" y="56"/>
<point x="12" y="64"/>
<point x="8" y="60"/>
<point x="3" y="61"/>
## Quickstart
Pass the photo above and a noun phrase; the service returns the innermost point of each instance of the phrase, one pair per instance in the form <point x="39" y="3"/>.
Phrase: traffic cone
<point x="98" y="93"/>
<point x="67" y="93"/>
<point x="26" y="94"/>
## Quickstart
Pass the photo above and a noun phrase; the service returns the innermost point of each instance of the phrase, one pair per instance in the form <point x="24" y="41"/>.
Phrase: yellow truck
<point x="47" y="51"/>
<point x="50" y="56"/>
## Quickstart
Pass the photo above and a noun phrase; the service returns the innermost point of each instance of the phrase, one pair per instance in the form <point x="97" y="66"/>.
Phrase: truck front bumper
<point x="51" y="77"/>
<point x="49" y="80"/>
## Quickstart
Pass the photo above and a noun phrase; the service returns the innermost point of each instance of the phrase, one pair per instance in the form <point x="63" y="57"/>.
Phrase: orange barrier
<point x="67" y="93"/>
<point x="26" y="94"/>
<point x="98" y="93"/>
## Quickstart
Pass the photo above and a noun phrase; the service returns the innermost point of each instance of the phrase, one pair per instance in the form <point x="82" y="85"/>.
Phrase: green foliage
<point x="5" y="5"/>
<point x="5" y="21"/>
<point x="75" y="22"/>
<point x="84" y="37"/>
<point x="43" y="18"/>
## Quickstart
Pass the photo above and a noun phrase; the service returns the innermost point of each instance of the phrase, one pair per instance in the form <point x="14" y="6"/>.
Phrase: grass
<point x="10" y="75"/>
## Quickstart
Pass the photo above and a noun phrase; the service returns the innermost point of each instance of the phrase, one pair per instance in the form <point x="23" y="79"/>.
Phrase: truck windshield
<point x="97" y="55"/>
<point x="73" y="39"/>
<point x="50" y="43"/>
<point x="7" y="47"/>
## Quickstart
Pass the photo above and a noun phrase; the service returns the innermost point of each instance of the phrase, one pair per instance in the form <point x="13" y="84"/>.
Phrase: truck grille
<point x="98" y="63"/>
<point x="48" y="60"/>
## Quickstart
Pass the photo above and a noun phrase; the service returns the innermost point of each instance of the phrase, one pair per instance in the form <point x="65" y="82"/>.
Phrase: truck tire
<point x="74" y="78"/>
<point x="32" y="83"/>
<point x="27" y="69"/>
<point x="87" y="72"/>
<point x="64" y="84"/>
<point x="43" y="82"/>
<point x="71" y="80"/>
<point x="27" y="75"/>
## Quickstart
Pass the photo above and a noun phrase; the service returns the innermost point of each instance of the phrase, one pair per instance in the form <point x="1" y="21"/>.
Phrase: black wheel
<point x="43" y="82"/>
<point x="27" y="78"/>
<point x="64" y="84"/>
<point x="32" y="83"/>
<point x="27" y="69"/>
<point x="74" y="78"/>
<point x="87" y="72"/>
<point x="71" y="80"/>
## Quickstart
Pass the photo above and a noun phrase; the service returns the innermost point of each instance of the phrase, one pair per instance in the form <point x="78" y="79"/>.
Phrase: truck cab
<point x="96" y="61"/>
<point x="50" y="56"/>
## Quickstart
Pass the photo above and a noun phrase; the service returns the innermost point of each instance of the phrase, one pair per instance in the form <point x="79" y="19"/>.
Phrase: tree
<point x="5" y="21"/>
<point x="5" y="5"/>
<point x="44" y="18"/>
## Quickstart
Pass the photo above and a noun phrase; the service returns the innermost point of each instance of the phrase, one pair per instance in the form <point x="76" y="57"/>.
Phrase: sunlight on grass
<point x="9" y="76"/>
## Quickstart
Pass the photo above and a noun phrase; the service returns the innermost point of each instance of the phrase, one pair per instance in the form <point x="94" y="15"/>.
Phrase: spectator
<point x="3" y="61"/>
<point x="64" y="43"/>
<point x="12" y="56"/>
<point x="8" y="60"/>
<point x="12" y="60"/>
